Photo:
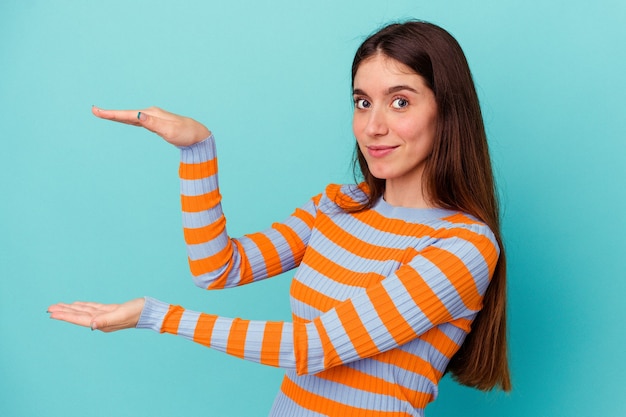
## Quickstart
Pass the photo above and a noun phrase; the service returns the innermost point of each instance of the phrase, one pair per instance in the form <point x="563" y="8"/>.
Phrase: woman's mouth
<point x="379" y="151"/>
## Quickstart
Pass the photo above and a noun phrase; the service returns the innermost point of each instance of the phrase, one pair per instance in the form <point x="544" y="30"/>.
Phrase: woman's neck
<point x="403" y="195"/>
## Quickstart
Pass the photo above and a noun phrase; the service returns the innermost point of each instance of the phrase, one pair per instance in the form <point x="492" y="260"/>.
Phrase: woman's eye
<point x="361" y="103"/>
<point x="400" y="103"/>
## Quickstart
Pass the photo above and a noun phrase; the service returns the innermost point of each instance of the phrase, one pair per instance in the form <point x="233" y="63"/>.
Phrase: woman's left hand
<point x="175" y="129"/>
<point x="104" y="317"/>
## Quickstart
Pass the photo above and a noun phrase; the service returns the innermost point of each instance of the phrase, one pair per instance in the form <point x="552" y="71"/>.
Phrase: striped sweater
<point x="381" y="300"/>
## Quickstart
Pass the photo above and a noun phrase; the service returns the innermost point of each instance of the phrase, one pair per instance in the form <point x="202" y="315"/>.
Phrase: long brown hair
<point x="458" y="175"/>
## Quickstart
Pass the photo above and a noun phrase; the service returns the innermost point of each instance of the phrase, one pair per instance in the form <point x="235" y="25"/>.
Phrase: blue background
<point x="89" y="209"/>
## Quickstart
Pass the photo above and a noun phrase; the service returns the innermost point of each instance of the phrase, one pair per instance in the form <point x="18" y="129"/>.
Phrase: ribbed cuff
<point x="152" y="315"/>
<point x="198" y="152"/>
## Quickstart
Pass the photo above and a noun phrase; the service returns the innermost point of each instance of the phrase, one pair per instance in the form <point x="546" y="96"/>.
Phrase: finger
<point x="128" y="117"/>
<point x="90" y="305"/>
<point x="133" y="116"/>
<point x="80" y="319"/>
<point x="84" y="308"/>
<point x="63" y="307"/>
<point x="78" y="307"/>
<point x="153" y="119"/>
<point x="160" y="113"/>
<point x="56" y="307"/>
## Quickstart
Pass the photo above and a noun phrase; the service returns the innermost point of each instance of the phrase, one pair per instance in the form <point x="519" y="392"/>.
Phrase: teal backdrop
<point x="89" y="210"/>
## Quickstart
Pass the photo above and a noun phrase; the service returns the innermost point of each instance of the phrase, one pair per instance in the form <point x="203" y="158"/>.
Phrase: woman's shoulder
<point x="342" y="196"/>
<point x="469" y="228"/>
<point x="354" y="192"/>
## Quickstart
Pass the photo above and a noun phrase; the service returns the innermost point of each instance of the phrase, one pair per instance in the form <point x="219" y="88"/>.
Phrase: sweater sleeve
<point x="216" y="260"/>
<point x="443" y="283"/>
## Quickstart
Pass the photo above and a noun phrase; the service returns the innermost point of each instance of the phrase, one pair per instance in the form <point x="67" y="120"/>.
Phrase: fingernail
<point x="141" y="117"/>
<point x="94" y="326"/>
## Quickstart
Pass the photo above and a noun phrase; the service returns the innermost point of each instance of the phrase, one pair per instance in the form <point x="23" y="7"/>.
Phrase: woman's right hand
<point x="104" y="317"/>
<point x="175" y="129"/>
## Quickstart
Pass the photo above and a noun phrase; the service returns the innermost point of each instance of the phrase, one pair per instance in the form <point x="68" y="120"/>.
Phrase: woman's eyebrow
<point x="397" y="88"/>
<point x="390" y="90"/>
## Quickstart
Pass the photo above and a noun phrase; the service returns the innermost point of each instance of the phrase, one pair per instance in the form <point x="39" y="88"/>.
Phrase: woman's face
<point x="395" y="120"/>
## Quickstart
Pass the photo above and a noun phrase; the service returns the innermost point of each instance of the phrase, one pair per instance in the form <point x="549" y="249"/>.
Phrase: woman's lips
<point x="380" y="151"/>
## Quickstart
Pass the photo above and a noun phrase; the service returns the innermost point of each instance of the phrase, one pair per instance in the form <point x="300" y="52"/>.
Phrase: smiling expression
<point x="395" y="122"/>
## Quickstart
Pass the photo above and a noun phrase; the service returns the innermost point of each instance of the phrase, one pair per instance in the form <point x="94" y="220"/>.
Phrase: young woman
<point x="400" y="278"/>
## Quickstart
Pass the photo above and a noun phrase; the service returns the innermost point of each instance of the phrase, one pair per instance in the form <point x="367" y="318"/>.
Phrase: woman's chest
<point x="340" y="264"/>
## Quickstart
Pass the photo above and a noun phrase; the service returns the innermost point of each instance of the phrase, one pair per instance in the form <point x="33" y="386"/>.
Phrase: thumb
<point x="108" y="322"/>
<point x="122" y="316"/>
<point x="99" y="323"/>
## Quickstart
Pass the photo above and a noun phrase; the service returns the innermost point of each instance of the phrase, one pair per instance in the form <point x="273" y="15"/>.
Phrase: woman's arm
<point x="215" y="259"/>
<point x="443" y="283"/>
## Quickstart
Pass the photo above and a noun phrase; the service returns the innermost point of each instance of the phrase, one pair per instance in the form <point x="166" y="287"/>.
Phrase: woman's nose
<point x="376" y="123"/>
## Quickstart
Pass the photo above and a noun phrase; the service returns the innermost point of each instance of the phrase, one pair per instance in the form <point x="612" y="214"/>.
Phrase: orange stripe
<point x="338" y="273"/>
<point x="270" y="348"/>
<point x="457" y="273"/>
<point x="333" y="190"/>
<point x="325" y="406"/>
<point x="301" y="347"/>
<point x="204" y="329"/>
<point x="172" y="319"/>
<point x="461" y="218"/>
<point x="220" y="282"/>
<point x="202" y="202"/>
<point x="316" y="199"/>
<point x="357" y="379"/>
<point x="397" y="227"/>
<point x="297" y="319"/>
<point x="356" y="331"/>
<point x="362" y="381"/>
<point x="343" y="200"/>
<point x="296" y="244"/>
<point x="209" y="264"/>
<point x="481" y="242"/>
<point x="440" y="341"/>
<point x="397" y="326"/>
<point x="195" y="236"/>
<point x="236" y="344"/>
<point x="354" y="245"/>
<point x="425" y="298"/>
<point x="410" y="362"/>
<point x="269" y="253"/>
<point x="197" y="171"/>
<point x="245" y="270"/>
<point x="484" y="245"/>
<point x="463" y="324"/>
<point x="311" y="297"/>
<point x="305" y="216"/>
<point x="330" y="354"/>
